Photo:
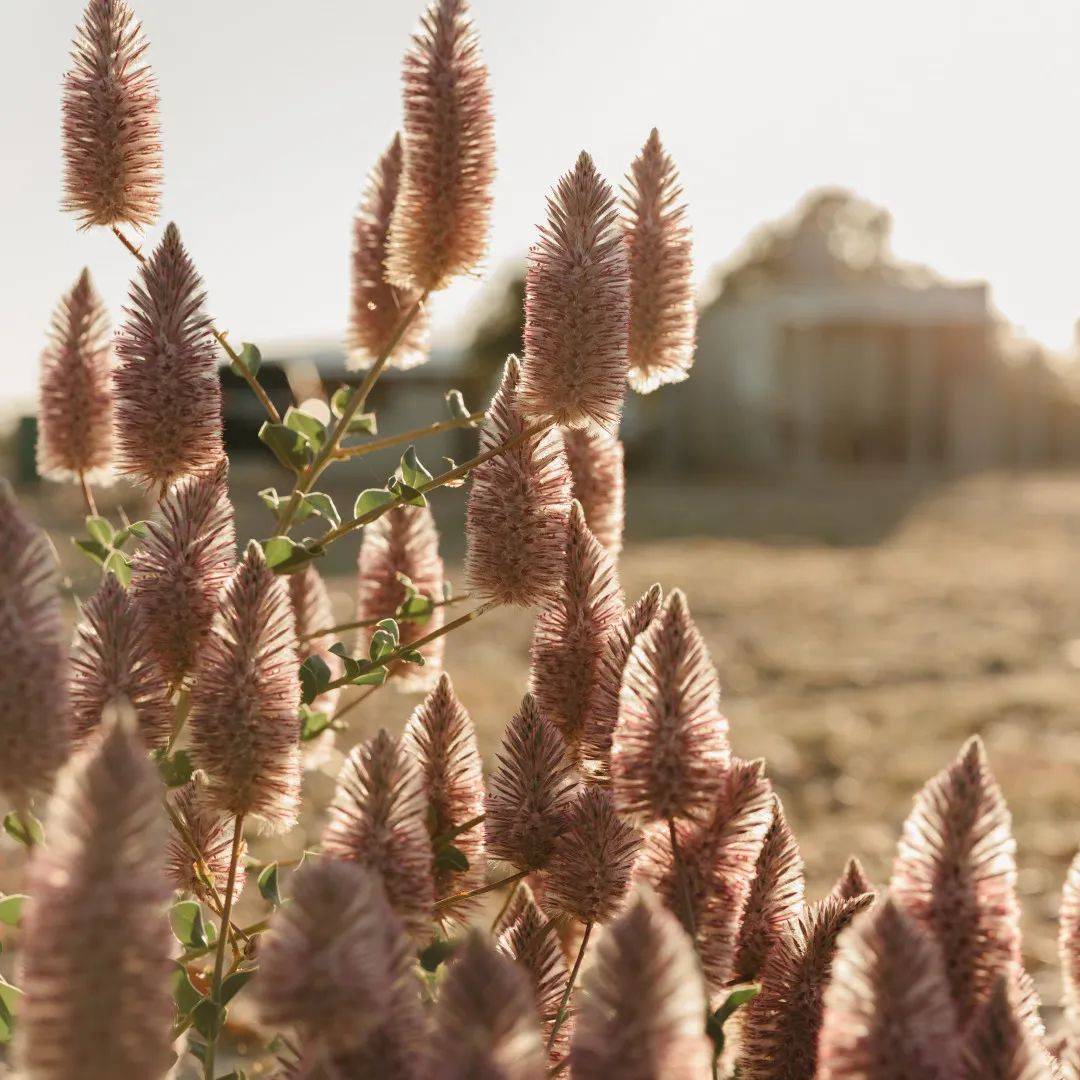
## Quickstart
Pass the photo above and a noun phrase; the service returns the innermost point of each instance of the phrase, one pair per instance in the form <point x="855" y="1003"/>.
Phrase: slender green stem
<point x="510" y="894"/>
<point x="346" y="452"/>
<point x="358" y="700"/>
<point x="88" y="495"/>
<point x="457" y="830"/>
<point x="684" y="884"/>
<point x="560" y="1016"/>
<point x="457" y="898"/>
<point x="326" y="631"/>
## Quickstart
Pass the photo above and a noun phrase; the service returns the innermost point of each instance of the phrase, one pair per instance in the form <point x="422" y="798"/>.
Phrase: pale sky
<point x="959" y="116"/>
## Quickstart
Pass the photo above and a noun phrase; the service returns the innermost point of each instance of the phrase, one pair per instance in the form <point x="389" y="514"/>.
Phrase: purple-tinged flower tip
<point x="852" y="882"/>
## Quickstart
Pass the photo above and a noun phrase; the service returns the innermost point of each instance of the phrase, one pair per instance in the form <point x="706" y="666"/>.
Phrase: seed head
<point x="518" y="507"/>
<point x="852" y="882"/>
<point x="670" y="748"/>
<point x="440" y="222"/>
<point x="312" y="611"/>
<point x="211" y="834"/>
<point x="244" y="732"/>
<point x="111" y="131"/>
<point x="596" y="464"/>
<point x="377" y="306"/>
<point x="577" y="307"/>
<point x="1000" y="1043"/>
<point x="75" y="415"/>
<point x="168" y="398"/>
<point x="663" y="316"/>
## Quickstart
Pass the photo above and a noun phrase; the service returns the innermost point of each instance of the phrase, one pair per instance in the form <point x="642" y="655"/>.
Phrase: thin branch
<point x="88" y="495"/>
<point x="361" y="623"/>
<point x="560" y="1016"/>
<point x="457" y="898"/>
<point x="346" y="452"/>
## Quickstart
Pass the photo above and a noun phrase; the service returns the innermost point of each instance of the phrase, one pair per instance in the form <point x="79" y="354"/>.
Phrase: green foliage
<point x="286" y="556"/>
<point x="24" y="828"/>
<point x="249" y="360"/>
<point x="361" y="423"/>
<point x="269" y="886"/>
<point x="189" y="927"/>
<point x="312" y="503"/>
<point x="287" y="444"/>
<point x="371" y="499"/>
<point x="175" y="768"/>
<point x="11" y="908"/>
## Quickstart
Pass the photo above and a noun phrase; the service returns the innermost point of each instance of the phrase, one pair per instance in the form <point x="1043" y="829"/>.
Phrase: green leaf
<point x="314" y="676"/>
<point x="235" y="983"/>
<point x="412" y="656"/>
<point x="25" y="828"/>
<point x="384" y="640"/>
<point x="321" y="504"/>
<point x="456" y="404"/>
<point x="100" y="530"/>
<point x="413" y="472"/>
<point x="9" y="1004"/>
<point x="370" y="500"/>
<point x="312" y="723"/>
<point x="435" y="953"/>
<point x="288" y="445"/>
<point x="184" y="994"/>
<point x="268" y="884"/>
<point x="406" y="493"/>
<point x="451" y="858"/>
<point x="119" y="564"/>
<point x="98" y="552"/>
<point x="714" y="1021"/>
<point x="208" y="1018"/>
<point x="250" y="360"/>
<point x="187" y="923"/>
<point x="176" y="769"/>
<point x="271" y="498"/>
<point x="310" y="428"/>
<point x="415" y="609"/>
<point x="339" y="400"/>
<point x="375" y="677"/>
<point x="11" y="908"/>
<point x="285" y="556"/>
<point x="136" y="528"/>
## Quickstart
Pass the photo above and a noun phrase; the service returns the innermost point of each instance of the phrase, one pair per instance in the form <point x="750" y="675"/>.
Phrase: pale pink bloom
<point x="441" y="218"/>
<point x="75" y="414"/>
<point x="313" y="611"/>
<point x="670" y="747"/>
<point x="518" y="506"/>
<point x="111" y="130"/>
<point x="211" y="833"/>
<point x="596" y="464"/>
<point x="377" y="819"/>
<point x="1000" y="1042"/>
<point x="577" y="307"/>
<point x="244" y="732"/>
<point x="168" y="397"/>
<point x="377" y="307"/>
<point x="955" y="874"/>
<point x="1069" y="945"/>
<point x="663" y="316"/>
<point x="852" y="882"/>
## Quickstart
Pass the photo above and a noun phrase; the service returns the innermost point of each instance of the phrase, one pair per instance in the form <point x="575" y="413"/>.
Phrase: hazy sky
<point x="960" y="116"/>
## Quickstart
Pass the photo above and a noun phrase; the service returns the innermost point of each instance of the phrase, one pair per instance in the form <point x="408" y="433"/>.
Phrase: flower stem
<point x="88" y="495"/>
<point x="457" y="898"/>
<point x="560" y="1016"/>
<point x="361" y="623"/>
<point x="684" y="885"/>
<point x="346" y="452"/>
<point x="510" y="894"/>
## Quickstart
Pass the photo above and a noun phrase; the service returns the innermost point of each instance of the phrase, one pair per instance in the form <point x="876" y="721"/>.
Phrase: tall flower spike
<point x="642" y="1002"/>
<point x="1069" y="945"/>
<point x="852" y="882"/>
<point x="955" y="874"/>
<point x="211" y="833"/>
<point x="97" y="948"/>
<point x="570" y="631"/>
<point x="670" y="747"/>
<point x="312" y="611"/>
<point x="577" y="307"/>
<point x="377" y="306"/>
<point x="782" y="1024"/>
<point x="888" y="1014"/>
<point x="531" y="792"/>
<point x="602" y="709"/>
<point x="34" y="728"/>
<point x="518" y="506"/>
<point x="181" y="567"/>
<point x="440" y="223"/>
<point x="377" y="819"/>
<point x="596" y="464"/>
<point x="111" y="132"/>
<point x="243" y="725"/>
<point x="486" y="1024"/>
<point x="1000" y="1043"/>
<point x="775" y="900"/>
<point x="168" y="398"/>
<point x="663" y="316"/>
<point x="403" y="542"/>
<point x="441" y="736"/>
<point x="75" y="417"/>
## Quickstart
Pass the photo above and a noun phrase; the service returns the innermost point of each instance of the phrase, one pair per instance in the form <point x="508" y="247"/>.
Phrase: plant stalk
<point x="88" y="495"/>
<point x="684" y="885"/>
<point x="457" y="898"/>
<point x="346" y="452"/>
<point x="560" y="1016"/>
<point x="361" y="623"/>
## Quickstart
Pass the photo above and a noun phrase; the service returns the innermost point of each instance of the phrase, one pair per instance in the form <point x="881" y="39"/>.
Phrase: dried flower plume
<point x="377" y="306"/>
<point x="168" y="398"/>
<point x="955" y="874"/>
<point x="211" y="834"/>
<point x="670" y="747"/>
<point x="377" y="819"/>
<point x="640" y="1013"/>
<point x="97" y="948"/>
<point x="571" y="629"/>
<point x="596" y="465"/>
<point x="440" y="222"/>
<point x="852" y="882"/>
<point x="75" y="414"/>
<point x="531" y="792"/>
<point x="1000" y="1042"/>
<point x="577" y="307"/>
<point x="181" y="567"/>
<point x="518" y="506"/>
<point x="243" y="725"/>
<point x="111" y="132"/>
<point x="663" y="316"/>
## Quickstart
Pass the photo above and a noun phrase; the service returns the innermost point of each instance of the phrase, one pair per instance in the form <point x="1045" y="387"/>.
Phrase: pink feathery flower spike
<point x="111" y="658"/>
<point x="596" y="465"/>
<point x="776" y="897"/>
<point x="441" y="737"/>
<point x="313" y="611"/>
<point x="602" y="708"/>
<point x="782" y="1024"/>
<point x="34" y="725"/>
<point x="111" y="131"/>
<point x="852" y="882"/>
<point x="1000" y="1042"/>
<point x="75" y="415"/>
<point x="97" y="952"/>
<point x="244" y="732"/>
<point x="640" y="1011"/>
<point x="670" y="746"/>
<point x="955" y="874"/>
<point x="888" y="1014"/>
<point x="577" y="307"/>
<point x="531" y="792"/>
<point x="590" y="866"/>
<point x="663" y="316"/>
<point x="181" y="567"/>
<point x="338" y="965"/>
<point x="442" y="213"/>
<point x="168" y="398"/>
<point x="377" y="307"/>
<point x="518" y="506"/>
<point x="402" y="543"/>
<point x="211" y="833"/>
<point x="486" y="1023"/>
<point x="530" y="939"/>
<point x="570" y="631"/>
<point x="378" y="819"/>
<point x="1069" y="945"/>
